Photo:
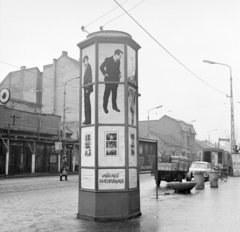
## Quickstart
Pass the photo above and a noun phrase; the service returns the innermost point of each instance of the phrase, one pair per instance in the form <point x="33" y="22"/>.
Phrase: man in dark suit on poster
<point x="110" y="68"/>
<point x="87" y="79"/>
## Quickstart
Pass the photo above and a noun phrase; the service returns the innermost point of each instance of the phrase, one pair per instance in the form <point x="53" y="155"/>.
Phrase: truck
<point x="218" y="158"/>
<point x="170" y="167"/>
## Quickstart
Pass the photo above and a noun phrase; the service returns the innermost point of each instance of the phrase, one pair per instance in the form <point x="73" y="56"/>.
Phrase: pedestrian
<point x="64" y="167"/>
<point x="110" y="68"/>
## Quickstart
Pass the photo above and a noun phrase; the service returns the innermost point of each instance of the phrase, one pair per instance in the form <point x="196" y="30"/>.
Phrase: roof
<point x="183" y="125"/>
<point x="165" y="137"/>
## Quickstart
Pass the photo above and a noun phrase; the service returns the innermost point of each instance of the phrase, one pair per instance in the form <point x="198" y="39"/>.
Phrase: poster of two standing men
<point x="110" y="91"/>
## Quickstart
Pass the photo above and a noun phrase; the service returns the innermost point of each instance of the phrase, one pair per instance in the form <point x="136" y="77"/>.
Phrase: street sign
<point x="58" y="145"/>
<point x="4" y="95"/>
<point x="227" y="140"/>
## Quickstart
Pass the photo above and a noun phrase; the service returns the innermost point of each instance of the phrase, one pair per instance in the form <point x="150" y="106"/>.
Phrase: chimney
<point x="23" y="67"/>
<point x="64" y="53"/>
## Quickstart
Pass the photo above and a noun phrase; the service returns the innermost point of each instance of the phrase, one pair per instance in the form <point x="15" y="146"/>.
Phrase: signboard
<point x="88" y="178"/>
<point x="147" y="155"/>
<point x="4" y="95"/>
<point x="58" y="146"/>
<point x="236" y="164"/>
<point x="132" y="178"/>
<point x="214" y="159"/>
<point x="53" y="158"/>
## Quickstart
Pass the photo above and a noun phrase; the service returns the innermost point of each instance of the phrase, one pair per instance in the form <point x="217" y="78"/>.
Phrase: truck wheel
<point x="179" y="178"/>
<point x="158" y="182"/>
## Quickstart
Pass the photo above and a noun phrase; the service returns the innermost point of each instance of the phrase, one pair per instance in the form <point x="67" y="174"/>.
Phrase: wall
<point x="54" y="76"/>
<point x="23" y="85"/>
<point x="169" y="125"/>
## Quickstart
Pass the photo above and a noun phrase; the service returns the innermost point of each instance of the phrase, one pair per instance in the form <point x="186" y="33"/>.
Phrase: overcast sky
<point x="34" y="32"/>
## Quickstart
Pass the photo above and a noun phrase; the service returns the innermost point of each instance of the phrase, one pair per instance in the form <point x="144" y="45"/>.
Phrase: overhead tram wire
<point x="123" y="13"/>
<point x="168" y="51"/>
<point x="102" y="16"/>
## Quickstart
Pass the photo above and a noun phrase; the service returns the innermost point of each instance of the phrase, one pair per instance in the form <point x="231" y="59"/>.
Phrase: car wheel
<point x="179" y="178"/>
<point x="207" y="178"/>
<point x="188" y="177"/>
<point x="158" y="182"/>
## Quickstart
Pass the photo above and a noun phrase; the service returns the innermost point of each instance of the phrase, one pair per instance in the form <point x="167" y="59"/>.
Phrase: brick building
<point x="39" y="92"/>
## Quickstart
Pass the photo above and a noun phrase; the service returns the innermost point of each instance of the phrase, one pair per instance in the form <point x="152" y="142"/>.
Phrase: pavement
<point x="45" y="204"/>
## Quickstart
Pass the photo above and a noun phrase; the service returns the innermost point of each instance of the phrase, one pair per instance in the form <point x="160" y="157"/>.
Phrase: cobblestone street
<point x="46" y="204"/>
<point x="30" y="203"/>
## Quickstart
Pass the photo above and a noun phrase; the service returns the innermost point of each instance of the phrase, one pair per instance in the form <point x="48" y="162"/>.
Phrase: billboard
<point x="236" y="164"/>
<point x="147" y="155"/>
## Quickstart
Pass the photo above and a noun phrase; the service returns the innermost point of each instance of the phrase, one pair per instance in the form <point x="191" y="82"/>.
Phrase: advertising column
<point x="108" y="170"/>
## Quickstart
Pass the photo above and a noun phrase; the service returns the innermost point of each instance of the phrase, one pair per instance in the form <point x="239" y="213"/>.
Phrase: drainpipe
<point x="54" y="84"/>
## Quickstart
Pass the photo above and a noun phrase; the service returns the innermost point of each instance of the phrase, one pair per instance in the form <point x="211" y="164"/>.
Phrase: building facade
<point x="27" y="142"/>
<point x="175" y="136"/>
<point x="33" y="91"/>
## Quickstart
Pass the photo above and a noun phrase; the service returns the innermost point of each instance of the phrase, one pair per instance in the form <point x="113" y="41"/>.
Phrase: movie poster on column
<point x="111" y="116"/>
<point x="87" y="178"/>
<point x="88" y="78"/>
<point x="88" y="147"/>
<point x="132" y="117"/>
<point x="111" y="93"/>
<point x="132" y="178"/>
<point x="111" y="179"/>
<point x="111" y="146"/>
<point x="132" y="151"/>
<point x="131" y="63"/>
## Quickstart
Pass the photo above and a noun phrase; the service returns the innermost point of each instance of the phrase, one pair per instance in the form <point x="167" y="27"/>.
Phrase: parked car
<point x="199" y="166"/>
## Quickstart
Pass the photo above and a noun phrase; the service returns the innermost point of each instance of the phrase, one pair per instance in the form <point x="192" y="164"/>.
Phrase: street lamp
<point x="233" y="143"/>
<point x="64" y="114"/>
<point x="148" y="116"/>
<point x="192" y="121"/>
<point x="209" y="134"/>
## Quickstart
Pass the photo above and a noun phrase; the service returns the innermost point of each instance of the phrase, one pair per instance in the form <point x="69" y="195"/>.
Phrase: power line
<point x="123" y="13"/>
<point x="103" y="15"/>
<point x="168" y="51"/>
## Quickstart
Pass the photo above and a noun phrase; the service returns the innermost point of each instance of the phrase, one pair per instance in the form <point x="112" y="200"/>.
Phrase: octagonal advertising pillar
<point x="108" y="164"/>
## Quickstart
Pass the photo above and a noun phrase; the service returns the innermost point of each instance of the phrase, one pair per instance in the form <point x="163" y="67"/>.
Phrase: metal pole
<point x="148" y="117"/>
<point x="148" y="124"/>
<point x="233" y="142"/>
<point x="64" y="115"/>
<point x="64" y="120"/>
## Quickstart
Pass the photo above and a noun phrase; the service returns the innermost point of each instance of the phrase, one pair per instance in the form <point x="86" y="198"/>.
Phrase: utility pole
<point x="64" y="115"/>
<point x="233" y="142"/>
